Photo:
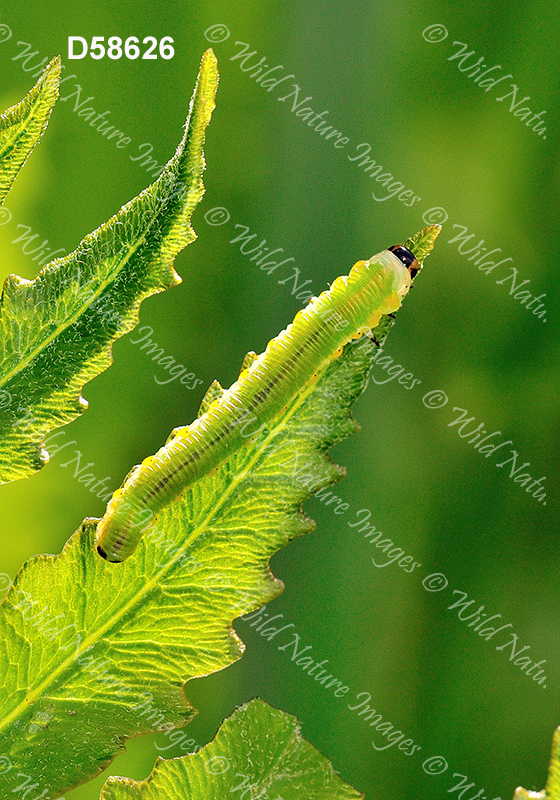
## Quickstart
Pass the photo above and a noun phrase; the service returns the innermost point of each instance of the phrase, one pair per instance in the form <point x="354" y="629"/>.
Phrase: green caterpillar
<point x="352" y="306"/>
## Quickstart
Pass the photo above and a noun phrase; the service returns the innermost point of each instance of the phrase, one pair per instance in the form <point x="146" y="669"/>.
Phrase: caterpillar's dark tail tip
<point x="104" y="555"/>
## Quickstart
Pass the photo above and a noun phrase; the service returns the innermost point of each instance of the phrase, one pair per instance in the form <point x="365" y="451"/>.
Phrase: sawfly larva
<point x="351" y="307"/>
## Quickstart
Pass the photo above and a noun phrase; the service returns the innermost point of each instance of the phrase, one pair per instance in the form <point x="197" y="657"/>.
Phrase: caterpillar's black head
<point x="407" y="258"/>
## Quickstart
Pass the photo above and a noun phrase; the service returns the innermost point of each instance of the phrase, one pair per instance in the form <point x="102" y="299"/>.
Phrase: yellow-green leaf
<point x="258" y="753"/>
<point x="22" y="125"/>
<point x="56" y="331"/>
<point x="98" y="652"/>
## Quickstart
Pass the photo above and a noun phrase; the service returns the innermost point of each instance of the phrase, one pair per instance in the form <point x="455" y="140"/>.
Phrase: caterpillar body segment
<point x="213" y="394"/>
<point x="352" y="306"/>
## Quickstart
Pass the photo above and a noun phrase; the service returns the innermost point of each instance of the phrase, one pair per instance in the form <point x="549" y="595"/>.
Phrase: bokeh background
<point x="427" y="489"/>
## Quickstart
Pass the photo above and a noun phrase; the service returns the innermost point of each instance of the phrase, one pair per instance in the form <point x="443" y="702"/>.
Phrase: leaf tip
<point x="422" y="243"/>
<point x="55" y="63"/>
<point x="209" y="56"/>
<point x="50" y="77"/>
<point x="207" y="84"/>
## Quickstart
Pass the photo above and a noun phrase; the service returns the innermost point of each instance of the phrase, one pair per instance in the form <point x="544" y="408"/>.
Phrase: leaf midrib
<point x="22" y="125"/>
<point x="82" y="309"/>
<point x="148" y="586"/>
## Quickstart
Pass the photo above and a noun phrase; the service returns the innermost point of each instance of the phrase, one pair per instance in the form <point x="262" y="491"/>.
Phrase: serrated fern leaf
<point x="98" y="652"/>
<point x="56" y="331"/>
<point x="552" y="788"/>
<point x="22" y="125"/>
<point x="258" y="753"/>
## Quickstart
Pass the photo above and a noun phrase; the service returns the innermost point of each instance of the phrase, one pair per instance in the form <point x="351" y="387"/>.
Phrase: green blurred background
<point x="427" y="489"/>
